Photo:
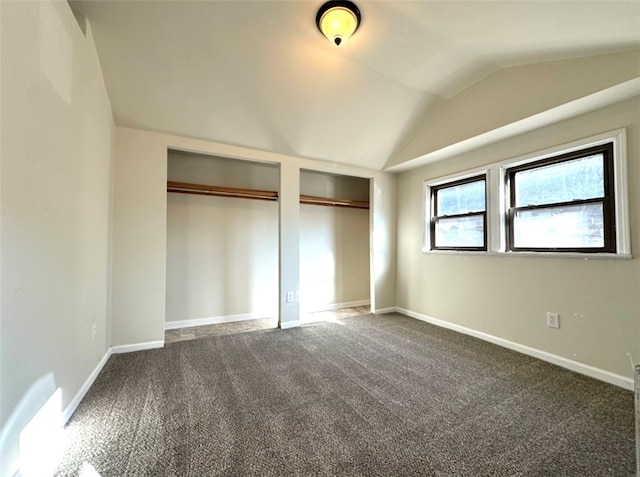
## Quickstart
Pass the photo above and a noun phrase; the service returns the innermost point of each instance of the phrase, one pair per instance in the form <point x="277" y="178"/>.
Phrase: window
<point x="563" y="203"/>
<point x="459" y="219"/>
<point x="570" y="200"/>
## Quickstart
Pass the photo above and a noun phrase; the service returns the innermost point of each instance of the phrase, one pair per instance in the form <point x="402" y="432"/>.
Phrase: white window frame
<point x="497" y="199"/>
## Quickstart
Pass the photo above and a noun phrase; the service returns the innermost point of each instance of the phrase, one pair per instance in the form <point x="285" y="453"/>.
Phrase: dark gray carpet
<point x="376" y="396"/>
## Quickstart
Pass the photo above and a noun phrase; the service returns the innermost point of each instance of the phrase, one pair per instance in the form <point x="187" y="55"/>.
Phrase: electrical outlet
<point x="290" y="297"/>
<point x="94" y="330"/>
<point x="553" y="320"/>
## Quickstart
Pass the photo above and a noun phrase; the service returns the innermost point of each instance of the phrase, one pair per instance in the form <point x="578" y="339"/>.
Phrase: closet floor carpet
<point x="196" y="332"/>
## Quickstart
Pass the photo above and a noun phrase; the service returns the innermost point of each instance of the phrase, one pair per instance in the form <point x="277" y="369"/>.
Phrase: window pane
<point x="563" y="182"/>
<point x="576" y="226"/>
<point x="460" y="232"/>
<point x="461" y="199"/>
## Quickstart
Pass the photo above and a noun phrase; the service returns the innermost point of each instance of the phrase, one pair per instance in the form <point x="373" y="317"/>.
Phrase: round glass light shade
<point x="339" y="21"/>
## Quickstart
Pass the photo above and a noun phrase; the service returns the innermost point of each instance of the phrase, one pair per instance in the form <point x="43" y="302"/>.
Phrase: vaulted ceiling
<point x="259" y="74"/>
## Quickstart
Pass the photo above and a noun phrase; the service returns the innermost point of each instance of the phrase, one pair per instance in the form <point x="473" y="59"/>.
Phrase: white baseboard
<point x="581" y="368"/>
<point x="71" y="407"/>
<point x="334" y="306"/>
<point x="289" y="324"/>
<point x="215" y="320"/>
<point x="130" y="348"/>
<point x="75" y="402"/>
<point x="383" y="311"/>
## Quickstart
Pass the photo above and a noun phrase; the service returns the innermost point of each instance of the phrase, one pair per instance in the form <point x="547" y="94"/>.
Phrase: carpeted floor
<point x="371" y="396"/>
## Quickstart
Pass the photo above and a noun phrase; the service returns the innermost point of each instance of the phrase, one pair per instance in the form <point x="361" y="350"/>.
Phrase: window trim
<point x="430" y="189"/>
<point x="497" y="199"/>
<point x="607" y="201"/>
<point x="433" y="190"/>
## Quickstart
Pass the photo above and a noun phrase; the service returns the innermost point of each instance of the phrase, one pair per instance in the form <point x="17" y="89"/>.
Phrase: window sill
<point x="583" y="256"/>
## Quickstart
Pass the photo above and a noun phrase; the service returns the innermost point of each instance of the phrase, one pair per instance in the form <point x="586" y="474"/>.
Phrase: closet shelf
<point x="219" y="191"/>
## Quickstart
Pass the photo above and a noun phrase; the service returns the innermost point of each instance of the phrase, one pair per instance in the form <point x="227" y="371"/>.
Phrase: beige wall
<point x="222" y="258"/>
<point x="208" y="169"/>
<point x="72" y="261"/>
<point x="222" y="253"/>
<point x="383" y="197"/>
<point x="334" y="256"/>
<point x="334" y="243"/>
<point x="508" y="296"/>
<point x="139" y="238"/>
<point x="140" y="229"/>
<point x="513" y="97"/>
<point x="56" y="149"/>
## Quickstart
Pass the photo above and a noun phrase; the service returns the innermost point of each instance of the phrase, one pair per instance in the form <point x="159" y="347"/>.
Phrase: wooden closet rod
<point x="315" y="200"/>
<point x="219" y="191"/>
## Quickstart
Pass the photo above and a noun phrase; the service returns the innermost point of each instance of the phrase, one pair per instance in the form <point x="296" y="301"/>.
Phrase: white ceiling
<point x="259" y="74"/>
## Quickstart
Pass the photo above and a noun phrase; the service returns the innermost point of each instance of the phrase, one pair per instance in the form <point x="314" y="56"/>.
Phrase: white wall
<point x="56" y="132"/>
<point x="337" y="187"/>
<point x="222" y="253"/>
<point x="507" y="296"/>
<point x="140" y="228"/>
<point x="334" y="243"/>
<point x="207" y="169"/>
<point x="514" y="97"/>
<point x="334" y="256"/>
<point x="139" y="239"/>
<point x="222" y="258"/>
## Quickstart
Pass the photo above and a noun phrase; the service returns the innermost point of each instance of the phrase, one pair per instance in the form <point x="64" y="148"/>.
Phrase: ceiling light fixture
<point x="338" y="20"/>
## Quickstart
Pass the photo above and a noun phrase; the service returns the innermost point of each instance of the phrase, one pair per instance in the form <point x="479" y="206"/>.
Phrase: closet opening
<point x="222" y="241"/>
<point x="334" y="244"/>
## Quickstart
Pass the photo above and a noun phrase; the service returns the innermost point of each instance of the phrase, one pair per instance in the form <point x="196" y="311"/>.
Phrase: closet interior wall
<point x="222" y="245"/>
<point x="334" y="243"/>
<point x="222" y="252"/>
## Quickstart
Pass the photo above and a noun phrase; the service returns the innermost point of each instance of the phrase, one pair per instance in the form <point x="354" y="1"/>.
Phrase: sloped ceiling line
<point x="258" y="74"/>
